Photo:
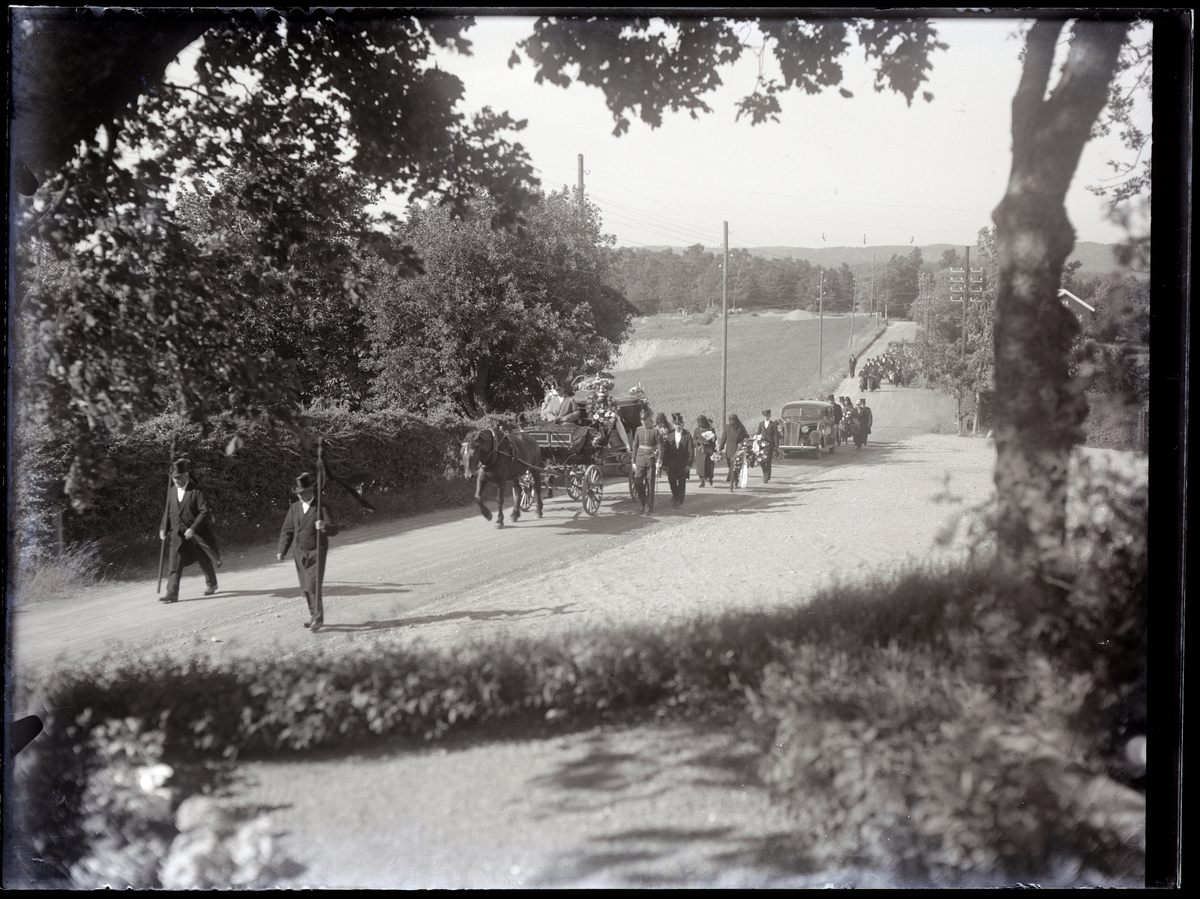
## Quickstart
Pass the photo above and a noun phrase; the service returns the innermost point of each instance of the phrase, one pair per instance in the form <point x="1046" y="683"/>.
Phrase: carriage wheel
<point x="743" y="475"/>
<point x="575" y="478"/>
<point x="593" y="489"/>
<point x="527" y="492"/>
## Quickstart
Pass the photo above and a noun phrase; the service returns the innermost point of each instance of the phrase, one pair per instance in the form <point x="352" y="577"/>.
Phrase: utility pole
<point x="725" y="326"/>
<point x="873" y="288"/>
<point x="821" y="327"/>
<point x="853" y="306"/>
<point x="966" y="291"/>
<point x="581" y="207"/>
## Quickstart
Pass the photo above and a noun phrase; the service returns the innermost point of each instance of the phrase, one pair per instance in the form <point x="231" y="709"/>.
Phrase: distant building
<point x="1075" y="304"/>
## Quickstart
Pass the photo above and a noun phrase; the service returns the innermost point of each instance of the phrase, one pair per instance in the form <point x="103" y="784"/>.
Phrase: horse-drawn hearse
<point x="575" y="454"/>
<point x="571" y="454"/>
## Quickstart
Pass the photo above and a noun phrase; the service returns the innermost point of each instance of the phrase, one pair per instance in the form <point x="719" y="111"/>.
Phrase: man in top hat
<point x="865" y="418"/>
<point x="678" y="453"/>
<point x="770" y="439"/>
<point x="187" y="522"/>
<point x="309" y="537"/>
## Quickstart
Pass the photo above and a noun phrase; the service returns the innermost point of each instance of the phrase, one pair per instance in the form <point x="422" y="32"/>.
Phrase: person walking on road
<point x="770" y="439"/>
<point x="853" y="362"/>
<point x="837" y="420"/>
<point x="678" y="454"/>
<point x="187" y="522"/>
<point x="865" y="419"/>
<point x="731" y="438"/>
<point x="647" y="443"/>
<point x="308" y="538"/>
<point x="704" y="439"/>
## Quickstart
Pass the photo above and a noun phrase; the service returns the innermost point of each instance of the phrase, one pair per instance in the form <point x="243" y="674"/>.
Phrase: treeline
<point x="667" y="281"/>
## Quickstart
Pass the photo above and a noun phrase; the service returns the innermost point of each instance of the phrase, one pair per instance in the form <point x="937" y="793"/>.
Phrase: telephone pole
<point x="821" y="327"/>
<point x="853" y="306"/>
<point x="580" y="198"/>
<point x="873" y="288"/>
<point x="966" y="291"/>
<point x="725" y="326"/>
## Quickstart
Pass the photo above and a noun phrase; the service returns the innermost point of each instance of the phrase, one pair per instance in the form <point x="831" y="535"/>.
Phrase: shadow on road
<point x="419" y="620"/>
<point x="375" y="588"/>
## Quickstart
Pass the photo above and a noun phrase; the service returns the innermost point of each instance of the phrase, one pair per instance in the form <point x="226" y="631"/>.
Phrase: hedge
<point x="403" y="463"/>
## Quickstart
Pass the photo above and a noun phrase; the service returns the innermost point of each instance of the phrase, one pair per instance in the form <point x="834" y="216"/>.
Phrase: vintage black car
<point x="807" y="426"/>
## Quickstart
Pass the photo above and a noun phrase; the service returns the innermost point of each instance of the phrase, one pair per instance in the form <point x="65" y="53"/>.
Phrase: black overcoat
<point x="192" y="512"/>
<point x="299" y="533"/>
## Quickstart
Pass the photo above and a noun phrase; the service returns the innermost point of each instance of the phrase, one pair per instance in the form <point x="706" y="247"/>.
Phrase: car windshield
<point x="803" y="411"/>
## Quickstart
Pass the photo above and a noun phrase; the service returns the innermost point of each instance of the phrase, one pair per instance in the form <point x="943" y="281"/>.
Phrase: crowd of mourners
<point x="666" y="446"/>
<point x="889" y="368"/>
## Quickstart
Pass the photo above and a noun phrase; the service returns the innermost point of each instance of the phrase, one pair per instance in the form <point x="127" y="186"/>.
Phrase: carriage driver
<point x="646" y="442"/>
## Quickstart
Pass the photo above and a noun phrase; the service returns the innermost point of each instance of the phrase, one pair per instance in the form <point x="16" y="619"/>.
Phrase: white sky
<point x="831" y="171"/>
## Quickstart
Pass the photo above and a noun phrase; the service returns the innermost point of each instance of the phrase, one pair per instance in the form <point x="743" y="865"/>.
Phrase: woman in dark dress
<point x="705" y="440"/>
<point x="734" y="433"/>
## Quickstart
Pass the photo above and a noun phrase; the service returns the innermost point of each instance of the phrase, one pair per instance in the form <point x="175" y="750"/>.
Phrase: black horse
<point x="502" y="459"/>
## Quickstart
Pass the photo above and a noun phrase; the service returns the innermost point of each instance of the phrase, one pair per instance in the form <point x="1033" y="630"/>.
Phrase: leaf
<point x="845" y="93"/>
<point x="234" y="445"/>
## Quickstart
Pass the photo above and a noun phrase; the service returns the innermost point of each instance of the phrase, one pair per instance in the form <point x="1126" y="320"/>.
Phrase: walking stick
<point x="162" y="549"/>
<point x="320" y="555"/>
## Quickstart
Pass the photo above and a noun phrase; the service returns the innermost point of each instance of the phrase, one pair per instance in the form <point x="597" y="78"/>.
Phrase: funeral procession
<point x="567" y="450"/>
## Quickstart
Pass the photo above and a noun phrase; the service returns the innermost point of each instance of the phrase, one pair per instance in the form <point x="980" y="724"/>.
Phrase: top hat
<point x="766" y="413"/>
<point x="862" y="402"/>
<point x="180" y="466"/>
<point x="677" y="418"/>
<point x="304" y="482"/>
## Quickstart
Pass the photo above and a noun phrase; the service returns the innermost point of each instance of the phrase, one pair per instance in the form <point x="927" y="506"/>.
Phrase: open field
<point x="771" y="360"/>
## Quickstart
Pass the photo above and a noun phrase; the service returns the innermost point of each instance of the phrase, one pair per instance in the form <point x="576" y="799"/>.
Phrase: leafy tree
<point x="496" y="313"/>
<point x="900" y="281"/>
<point x="150" y="315"/>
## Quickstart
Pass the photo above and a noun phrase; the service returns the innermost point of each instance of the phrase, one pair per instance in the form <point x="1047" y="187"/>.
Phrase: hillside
<point x="772" y="358"/>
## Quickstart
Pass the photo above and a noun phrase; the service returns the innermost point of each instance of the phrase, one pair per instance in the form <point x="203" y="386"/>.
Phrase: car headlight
<point x="804" y="429"/>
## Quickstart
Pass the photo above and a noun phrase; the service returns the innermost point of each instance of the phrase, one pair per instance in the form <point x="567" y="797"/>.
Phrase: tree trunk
<point x="1039" y="408"/>
<point x="479" y="385"/>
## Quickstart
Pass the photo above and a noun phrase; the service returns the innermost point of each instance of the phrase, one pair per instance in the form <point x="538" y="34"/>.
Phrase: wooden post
<point x="966" y="292"/>
<point x="821" y="327"/>
<point x="320" y="533"/>
<point x="725" y="327"/>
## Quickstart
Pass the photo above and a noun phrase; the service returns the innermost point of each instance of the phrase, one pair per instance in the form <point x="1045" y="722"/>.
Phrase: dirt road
<point x="677" y="804"/>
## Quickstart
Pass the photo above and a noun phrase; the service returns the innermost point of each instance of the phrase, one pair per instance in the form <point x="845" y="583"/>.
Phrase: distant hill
<point x="1097" y="258"/>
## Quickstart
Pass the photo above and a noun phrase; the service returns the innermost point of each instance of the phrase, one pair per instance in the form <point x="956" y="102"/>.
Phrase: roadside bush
<point x="890" y="761"/>
<point x="48" y="575"/>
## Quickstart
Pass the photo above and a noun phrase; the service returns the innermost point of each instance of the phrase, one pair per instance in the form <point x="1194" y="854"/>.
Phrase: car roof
<point x="807" y="403"/>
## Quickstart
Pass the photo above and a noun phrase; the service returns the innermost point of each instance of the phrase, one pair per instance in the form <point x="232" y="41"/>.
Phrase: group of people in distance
<point x="188" y="523"/>
<point x="885" y="367"/>
<point x="661" y="445"/>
